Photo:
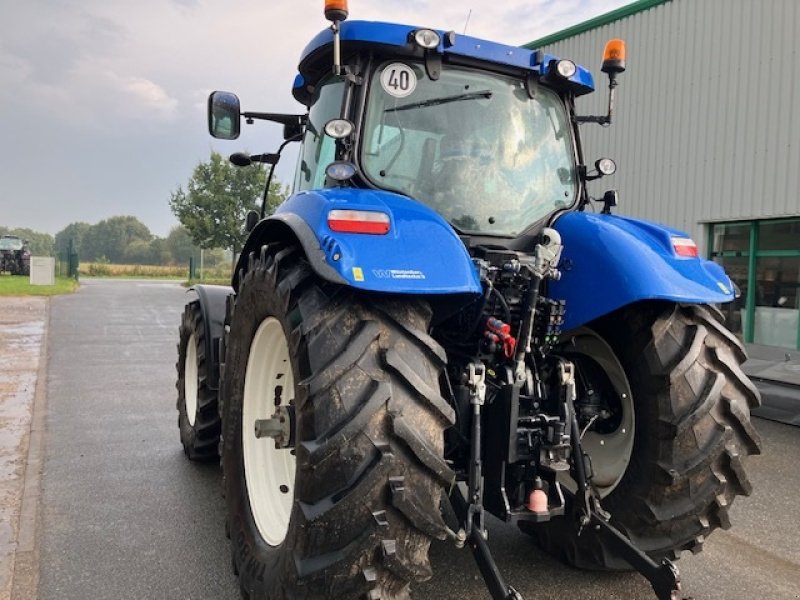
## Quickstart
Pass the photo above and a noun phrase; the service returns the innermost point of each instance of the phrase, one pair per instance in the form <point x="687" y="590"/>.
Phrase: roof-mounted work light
<point x="336" y="12"/>
<point x="427" y="38"/>
<point x="566" y="68"/>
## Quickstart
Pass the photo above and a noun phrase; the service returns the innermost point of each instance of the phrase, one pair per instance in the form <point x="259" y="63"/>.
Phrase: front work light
<point x="359" y="221"/>
<point x="339" y="128"/>
<point x="427" y="38"/>
<point x="340" y="170"/>
<point x="606" y="166"/>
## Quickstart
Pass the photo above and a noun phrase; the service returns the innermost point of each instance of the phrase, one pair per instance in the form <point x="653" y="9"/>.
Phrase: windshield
<point x="10" y="243"/>
<point x="473" y="146"/>
<point x="319" y="149"/>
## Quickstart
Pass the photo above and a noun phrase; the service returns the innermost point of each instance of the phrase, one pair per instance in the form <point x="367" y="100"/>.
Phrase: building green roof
<point x="609" y="17"/>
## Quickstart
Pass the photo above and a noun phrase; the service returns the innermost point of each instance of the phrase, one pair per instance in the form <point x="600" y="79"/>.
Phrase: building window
<point x="763" y="259"/>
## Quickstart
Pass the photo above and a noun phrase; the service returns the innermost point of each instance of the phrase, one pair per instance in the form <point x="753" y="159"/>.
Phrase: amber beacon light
<point x="336" y="10"/>
<point x="614" y="57"/>
<point x="613" y="65"/>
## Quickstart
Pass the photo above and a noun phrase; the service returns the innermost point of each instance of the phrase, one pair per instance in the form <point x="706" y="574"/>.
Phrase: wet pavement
<point x="22" y="327"/>
<point x="777" y="365"/>
<point x="125" y="515"/>
<point x="776" y="372"/>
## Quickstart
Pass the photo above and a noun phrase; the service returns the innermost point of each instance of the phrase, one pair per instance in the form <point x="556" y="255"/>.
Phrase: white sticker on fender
<point x="398" y="274"/>
<point x="398" y="80"/>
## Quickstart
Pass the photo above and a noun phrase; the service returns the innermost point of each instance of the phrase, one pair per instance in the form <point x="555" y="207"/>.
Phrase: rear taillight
<point x="359" y="221"/>
<point x="684" y="246"/>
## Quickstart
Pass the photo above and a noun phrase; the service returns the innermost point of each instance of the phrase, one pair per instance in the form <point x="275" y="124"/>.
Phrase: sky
<point x="103" y="102"/>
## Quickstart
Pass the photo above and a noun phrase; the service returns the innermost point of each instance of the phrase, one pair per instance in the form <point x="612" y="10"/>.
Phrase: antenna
<point x="467" y="23"/>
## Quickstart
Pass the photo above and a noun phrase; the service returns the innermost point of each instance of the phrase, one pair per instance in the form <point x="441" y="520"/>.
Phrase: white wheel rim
<point x="269" y="472"/>
<point x="610" y="452"/>
<point x="190" y="380"/>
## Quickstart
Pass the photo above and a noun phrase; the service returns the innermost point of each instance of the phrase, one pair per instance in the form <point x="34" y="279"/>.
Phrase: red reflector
<point x="684" y="247"/>
<point x="359" y="221"/>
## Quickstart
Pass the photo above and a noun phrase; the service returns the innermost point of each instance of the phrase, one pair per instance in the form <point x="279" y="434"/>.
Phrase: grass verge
<point x="20" y="285"/>
<point x="219" y="274"/>
<point x="100" y="269"/>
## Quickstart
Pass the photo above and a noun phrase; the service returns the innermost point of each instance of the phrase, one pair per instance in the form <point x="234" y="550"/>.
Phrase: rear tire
<point x="692" y="407"/>
<point x="198" y="417"/>
<point x="362" y="502"/>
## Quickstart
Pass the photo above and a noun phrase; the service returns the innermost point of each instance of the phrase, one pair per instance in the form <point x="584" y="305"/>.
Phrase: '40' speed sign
<point x="398" y="80"/>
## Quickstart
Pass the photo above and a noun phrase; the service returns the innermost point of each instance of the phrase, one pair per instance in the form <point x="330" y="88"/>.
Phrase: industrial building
<point x="706" y="136"/>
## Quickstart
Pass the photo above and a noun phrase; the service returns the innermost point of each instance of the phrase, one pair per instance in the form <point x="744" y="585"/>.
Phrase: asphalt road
<point x="125" y="515"/>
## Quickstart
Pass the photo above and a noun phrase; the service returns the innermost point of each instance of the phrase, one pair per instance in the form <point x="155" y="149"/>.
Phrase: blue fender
<point x="421" y="253"/>
<point x="609" y="262"/>
<point x="213" y="300"/>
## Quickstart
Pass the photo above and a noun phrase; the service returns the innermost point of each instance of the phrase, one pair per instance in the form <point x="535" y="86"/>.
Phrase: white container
<point x="43" y="270"/>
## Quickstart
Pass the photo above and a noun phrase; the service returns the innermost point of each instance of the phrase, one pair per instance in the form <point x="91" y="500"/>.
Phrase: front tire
<point x="349" y="511"/>
<point x="198" y="416"/>
<point x="692" y="407"/>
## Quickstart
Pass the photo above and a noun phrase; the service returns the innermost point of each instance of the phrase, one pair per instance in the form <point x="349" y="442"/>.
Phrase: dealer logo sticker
<point x="398" y="274"/>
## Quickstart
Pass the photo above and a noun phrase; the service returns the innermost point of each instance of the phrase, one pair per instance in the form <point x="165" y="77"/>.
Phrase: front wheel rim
<point x="269" y="472"/>
<point x="190" y="380"/>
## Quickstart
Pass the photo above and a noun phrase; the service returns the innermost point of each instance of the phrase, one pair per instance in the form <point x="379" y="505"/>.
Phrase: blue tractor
<point x="437" y="325"/>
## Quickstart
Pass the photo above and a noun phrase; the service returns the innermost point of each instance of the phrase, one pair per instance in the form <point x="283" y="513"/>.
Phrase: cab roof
<point x="397" y="39"/>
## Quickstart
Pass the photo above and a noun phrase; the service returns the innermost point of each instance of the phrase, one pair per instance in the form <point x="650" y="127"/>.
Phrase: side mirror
<point x="223" y="115"/>
<point x="610" y="200"/>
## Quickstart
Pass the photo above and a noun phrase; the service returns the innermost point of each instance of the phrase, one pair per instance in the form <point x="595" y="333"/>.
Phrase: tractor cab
<point x="434" y="116"/>
<point x="482" y="133"/>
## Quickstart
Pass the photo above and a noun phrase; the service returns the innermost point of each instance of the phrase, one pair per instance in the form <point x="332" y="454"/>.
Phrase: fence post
<point x="72" y="261"/>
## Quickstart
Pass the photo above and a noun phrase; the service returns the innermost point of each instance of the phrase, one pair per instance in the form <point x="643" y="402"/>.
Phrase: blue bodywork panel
<point x="391" y="34"/>
<point x="610" y="261"/>
<point x="421" y="254"/>
<point x="213" y="299"/>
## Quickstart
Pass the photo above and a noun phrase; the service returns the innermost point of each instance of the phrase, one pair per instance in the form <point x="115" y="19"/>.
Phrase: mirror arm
<point x="273" y="163"/>
<point x="296" y="120"/>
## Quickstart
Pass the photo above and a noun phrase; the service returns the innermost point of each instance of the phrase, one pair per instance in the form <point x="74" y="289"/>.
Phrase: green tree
<point x="159" y="254"/>
<point x="110" y="238"/>
<point x="180" y="246"/>
<point x="142" y="252"/>
<point x="73" y="231"/>
<point x="217" y="198"/>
